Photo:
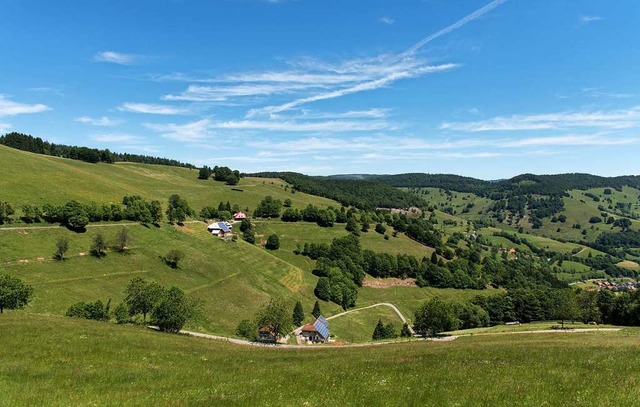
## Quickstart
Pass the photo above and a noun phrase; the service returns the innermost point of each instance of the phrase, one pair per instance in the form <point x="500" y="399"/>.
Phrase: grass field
<point x="358" y="326"/>
<point x="59" y="361"/>
<point x="103" y="183"/>
<point x="232" y="279"/>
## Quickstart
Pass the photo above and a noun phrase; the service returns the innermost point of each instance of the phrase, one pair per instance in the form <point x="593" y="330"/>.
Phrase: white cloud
<point x="374" y="113"/>
<point x="361" y="87"/>
<point x="207" y="128"/>
<point x="196" y="93"/>
<point x="116" y="58"/>
<point x="589" y="19"/>
<point x="189" y="132"/>
<point x="5" y="127"/>
<point x="11" y="108"/>
<point x="613" y="120"/>
<point x="387" y="20"/>
<point x="101" y="121"/>
<point x="117" y="138"/>
<point x="152" y="109"/>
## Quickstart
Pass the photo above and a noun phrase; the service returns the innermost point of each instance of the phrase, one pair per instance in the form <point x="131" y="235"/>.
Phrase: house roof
<point x="322" y="326"/>
<point x="239" y="215"/>
<point x="309" y="328"/>
<point x="219" y="226"/>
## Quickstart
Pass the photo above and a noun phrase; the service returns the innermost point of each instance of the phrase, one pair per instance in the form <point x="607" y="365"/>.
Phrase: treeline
<point x="525" y="184"/>
<point x="526" y="305"/>
<point x="77" y="215"/>
<point x="343" y="264"/>
<point x="32" y="144"/>
<point x="357" y="193"/>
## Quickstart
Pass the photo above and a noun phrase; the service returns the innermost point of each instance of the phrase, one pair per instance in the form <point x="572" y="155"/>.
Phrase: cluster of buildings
<point x="317" y="332"/>
<point x="617" y="287"/>
<point x="224" y="228"/>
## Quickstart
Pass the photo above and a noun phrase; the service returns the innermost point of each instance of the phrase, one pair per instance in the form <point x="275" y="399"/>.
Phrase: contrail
<point x="473" y="16"/>
<point x="377" y="83"/>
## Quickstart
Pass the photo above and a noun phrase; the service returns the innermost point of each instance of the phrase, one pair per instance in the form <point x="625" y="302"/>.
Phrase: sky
<point x="488" y="89"/>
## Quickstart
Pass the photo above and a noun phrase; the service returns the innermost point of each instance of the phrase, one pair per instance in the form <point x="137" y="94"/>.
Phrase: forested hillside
<point x="358" y="193"/>
<point x="32" y="144"/>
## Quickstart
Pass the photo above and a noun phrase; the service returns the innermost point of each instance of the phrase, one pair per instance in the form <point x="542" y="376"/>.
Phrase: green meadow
<point x="76" y="362"/>
<point x="39" y="179"/>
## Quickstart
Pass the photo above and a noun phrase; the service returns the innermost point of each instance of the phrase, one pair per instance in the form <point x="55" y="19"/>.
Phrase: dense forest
<point x="550" y="185"/>
<point x="349" y="192"/>
<point x="32" y="144"/>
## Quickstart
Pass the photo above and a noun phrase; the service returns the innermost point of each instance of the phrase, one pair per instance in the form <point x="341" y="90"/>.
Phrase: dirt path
<point x="547" y="331"/>
<point x="381" y="304"/>
<point x="371" y="344"/>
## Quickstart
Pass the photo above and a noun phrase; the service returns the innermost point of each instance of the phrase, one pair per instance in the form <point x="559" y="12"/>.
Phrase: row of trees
<point x="77" y="215"/>
<point x="169" y="309"/>
<point x="225" y="174"/>
<point x="32" y="144"/>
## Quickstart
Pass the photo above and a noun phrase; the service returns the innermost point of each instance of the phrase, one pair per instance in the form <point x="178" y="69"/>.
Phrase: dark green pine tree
<point x="379" y="331"/>
<point x="298" y="314"/>
<point x="405" y="332"/>
<point x="316" y="309"/>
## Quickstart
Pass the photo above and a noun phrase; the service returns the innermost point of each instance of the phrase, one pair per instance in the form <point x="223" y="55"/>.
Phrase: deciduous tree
<point x="14" y="294"/>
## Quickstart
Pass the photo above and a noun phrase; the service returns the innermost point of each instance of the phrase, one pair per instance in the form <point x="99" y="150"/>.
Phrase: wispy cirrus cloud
<point x="207" y="128"/>
<point x="10" y="108"/>
<point x="126" y="141"/>
<point x="117" y="138"/>
<point x="100" y="121"/>
<point x="153" y="109"/>
<point x="588" y="19"/>
<point x="360" y="87"/>
<point x="386" y="144"/>
<point x="393" y="64"/>
<point x="387" y="20"/>
<point x="613" y="120"/>
<point x="197" y="93"/>
<point x="116" y="58"/>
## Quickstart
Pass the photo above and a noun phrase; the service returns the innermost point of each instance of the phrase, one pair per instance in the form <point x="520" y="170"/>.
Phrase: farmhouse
<point x="316" y="332"/>
<point x="265" y="334"/>
<point x="220" y="229"/>
<point x="239" y="216"/>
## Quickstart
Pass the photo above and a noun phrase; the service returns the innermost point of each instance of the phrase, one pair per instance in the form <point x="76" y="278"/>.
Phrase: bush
<point x="121" y="314"/>
<point x="90" y="310"/>
<point x="273" y="242"/>
<point x="173" y="258"/>
<point x="173" y="310"/>
<point x="249" y="236"/>
<point x="247" y="329"/>
<point x="99" y="246"/>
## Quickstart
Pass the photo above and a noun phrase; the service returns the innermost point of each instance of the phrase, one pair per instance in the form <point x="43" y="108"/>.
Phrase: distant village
<point x="617" y="287"/>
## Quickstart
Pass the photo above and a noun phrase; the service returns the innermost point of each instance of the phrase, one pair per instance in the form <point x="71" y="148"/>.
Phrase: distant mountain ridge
<point x="556" y="184"/>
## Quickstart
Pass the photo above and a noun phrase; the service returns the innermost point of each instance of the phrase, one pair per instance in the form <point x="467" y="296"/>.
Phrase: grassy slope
<point x="73" y="362"/>
<point x="232" y="279"/>
<point x="39" y="179"/>
<point x="358" y="326"/>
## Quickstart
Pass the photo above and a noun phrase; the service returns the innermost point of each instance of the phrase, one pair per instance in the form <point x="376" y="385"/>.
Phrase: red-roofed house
<point x="239" y="216"/>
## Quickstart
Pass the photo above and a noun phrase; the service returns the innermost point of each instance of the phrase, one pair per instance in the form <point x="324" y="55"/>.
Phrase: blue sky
<point x="477" y="88"/>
